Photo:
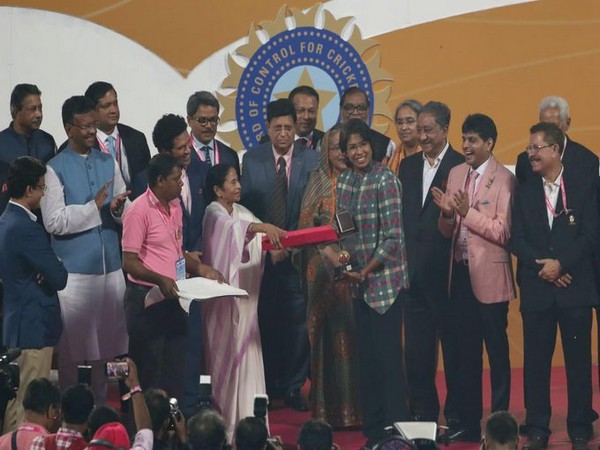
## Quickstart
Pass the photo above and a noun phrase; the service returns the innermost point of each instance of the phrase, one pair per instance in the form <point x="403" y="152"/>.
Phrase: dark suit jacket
<point x="427" y="250"/>
<point x="576" y="156"/>
<point x="226" y="156"/>
<point x="138" y="155"/>
<point x="316" y="139"/>
<point x="31" y="309"/>
<point x="381" y="142"/>
<point x="572" y="243"/>
<point x="192" y="223"/>
<point x="259" y="176"/>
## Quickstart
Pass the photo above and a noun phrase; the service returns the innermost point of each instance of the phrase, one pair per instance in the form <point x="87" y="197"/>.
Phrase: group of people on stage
<point x="435" y="230"/>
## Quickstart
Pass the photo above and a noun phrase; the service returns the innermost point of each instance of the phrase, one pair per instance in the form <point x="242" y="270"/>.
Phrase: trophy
<point x="348" y="243"/>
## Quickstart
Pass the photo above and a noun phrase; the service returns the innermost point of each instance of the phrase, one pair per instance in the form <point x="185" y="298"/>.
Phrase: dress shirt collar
<point x="102" y="135"/>
<point x="31" y="215"/>
<point x="551" y="185"/>
<point x="439" y="157"/>
<point x="200" y="145"/>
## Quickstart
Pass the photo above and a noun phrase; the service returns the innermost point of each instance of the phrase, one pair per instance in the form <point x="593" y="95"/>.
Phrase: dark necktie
<point x="206" y="150"/>
<point x="302" y="141"/>
<point x="280" y="189"/>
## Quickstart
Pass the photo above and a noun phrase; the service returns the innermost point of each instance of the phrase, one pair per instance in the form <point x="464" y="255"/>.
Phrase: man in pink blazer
<point x="476" y="213"/>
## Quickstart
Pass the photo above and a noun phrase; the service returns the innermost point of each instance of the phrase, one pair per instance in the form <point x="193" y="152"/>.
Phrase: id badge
<point x="180" y="269"/>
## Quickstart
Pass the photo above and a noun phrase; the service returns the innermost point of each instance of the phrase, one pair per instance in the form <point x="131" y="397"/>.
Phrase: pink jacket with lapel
<point x="488" y="223"/>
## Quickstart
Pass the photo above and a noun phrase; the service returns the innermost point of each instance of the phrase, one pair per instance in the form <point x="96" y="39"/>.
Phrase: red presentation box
<point x="306" y="236"/>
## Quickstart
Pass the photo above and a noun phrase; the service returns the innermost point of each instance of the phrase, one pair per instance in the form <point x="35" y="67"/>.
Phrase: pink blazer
<point x="488" y="223"/>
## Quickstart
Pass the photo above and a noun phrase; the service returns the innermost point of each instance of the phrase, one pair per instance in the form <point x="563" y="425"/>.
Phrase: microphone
<point x="10" y="355"/>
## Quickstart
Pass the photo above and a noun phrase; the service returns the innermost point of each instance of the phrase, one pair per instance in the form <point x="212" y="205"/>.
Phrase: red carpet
<point x="286" y="423"/>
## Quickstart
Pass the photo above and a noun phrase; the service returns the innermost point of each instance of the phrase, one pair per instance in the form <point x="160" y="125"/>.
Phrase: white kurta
<point x="91" y="305"/>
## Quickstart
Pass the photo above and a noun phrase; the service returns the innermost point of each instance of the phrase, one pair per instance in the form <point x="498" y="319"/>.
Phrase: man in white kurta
<point x="85" y="198"/>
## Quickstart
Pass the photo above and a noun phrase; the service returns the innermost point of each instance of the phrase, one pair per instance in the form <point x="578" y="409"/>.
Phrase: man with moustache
<point x="426" y="302"/>
<point x="273" y="183"/>
<point x="554" y="233"/>
<point x="355" y="104"/>
<point x="203" y="119"/>
<point x="23" y="136"/>
<point x="82" y="211"/>
<point x="170" y="136"/>
<point x="556" y="110"/>
<point x="153" y="255"/>
<point x="476" y="214"/>
<point x="125" y="144"/>
<point x="306" y="103"/>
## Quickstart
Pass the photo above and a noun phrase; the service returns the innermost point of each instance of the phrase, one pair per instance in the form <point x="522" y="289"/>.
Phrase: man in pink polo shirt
<point x="42" y="415"/>
<point x="153" y="256"/>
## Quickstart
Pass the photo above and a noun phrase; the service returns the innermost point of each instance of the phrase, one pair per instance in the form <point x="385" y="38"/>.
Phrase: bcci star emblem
<point x="280" y="56"/>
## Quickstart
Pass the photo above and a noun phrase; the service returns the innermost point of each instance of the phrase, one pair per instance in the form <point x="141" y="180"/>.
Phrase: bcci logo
<point x="289" y="56"/>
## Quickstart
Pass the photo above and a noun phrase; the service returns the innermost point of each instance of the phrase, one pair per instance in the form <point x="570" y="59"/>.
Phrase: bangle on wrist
<point x="134" y="390"/>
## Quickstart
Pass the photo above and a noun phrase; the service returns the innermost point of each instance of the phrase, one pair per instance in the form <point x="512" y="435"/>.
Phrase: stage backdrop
<point x="499" y="57"/>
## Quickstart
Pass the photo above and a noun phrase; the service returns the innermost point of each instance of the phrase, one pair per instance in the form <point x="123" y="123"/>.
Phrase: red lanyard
<point x="105" y="149"/>
<point x="201" y="153"/>
<point x="564" y="200"/>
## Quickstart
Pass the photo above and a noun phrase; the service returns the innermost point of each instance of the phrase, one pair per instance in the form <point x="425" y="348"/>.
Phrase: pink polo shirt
<point x="26" y="433"/>
<point x="153" y="234"/>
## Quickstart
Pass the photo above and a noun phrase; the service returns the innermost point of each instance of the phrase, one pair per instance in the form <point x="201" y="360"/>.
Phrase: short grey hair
<point x="415" y="105"/>
<point x="555" y="102"/>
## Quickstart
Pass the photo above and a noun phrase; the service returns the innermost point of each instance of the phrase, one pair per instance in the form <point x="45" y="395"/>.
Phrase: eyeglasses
<point x="350" y="108"/>
<point x="206" y="120"/>
<point x="537" y="148"/>
<point x="354" y="147"/>
<point x="90" y="126"/>
<point x="43" y="187"/>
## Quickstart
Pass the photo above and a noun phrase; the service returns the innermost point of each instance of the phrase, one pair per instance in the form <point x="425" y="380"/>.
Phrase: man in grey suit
<point x="275" y="175"/>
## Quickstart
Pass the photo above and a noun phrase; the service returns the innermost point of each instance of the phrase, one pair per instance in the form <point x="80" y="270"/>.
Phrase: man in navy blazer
<point x="282" y="307"/>
<point x="31" y="274"/>
<point x="203" y="118"/>
<point x="554" y="234"/>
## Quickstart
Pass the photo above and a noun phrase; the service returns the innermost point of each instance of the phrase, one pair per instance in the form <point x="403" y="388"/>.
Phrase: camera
<point x="204" y="393"/>
<point x="261" y="405"/>
<point x="9" y="377"/>
<point x="175" y="413"/>
<point x="117" y="369"/>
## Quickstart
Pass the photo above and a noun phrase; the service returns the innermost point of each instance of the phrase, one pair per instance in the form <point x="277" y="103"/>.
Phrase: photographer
<point x="206" y="431"/>
<point x="76" y="404"/>
<point x="168" y="424"/>
<point x="31" y="274"/>
<point x="251" y="434"/>
<point x="316" y="435"/>
<point x="41" y="402"/>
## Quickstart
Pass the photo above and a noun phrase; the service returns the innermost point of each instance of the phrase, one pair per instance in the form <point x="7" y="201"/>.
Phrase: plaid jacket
<point x="375" y="201"/>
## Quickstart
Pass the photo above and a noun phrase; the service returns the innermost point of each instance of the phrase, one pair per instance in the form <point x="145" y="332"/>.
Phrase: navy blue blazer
<point x="192" y="223"/>
<point x="258" y="178"/>
<point x="31" y="309"/>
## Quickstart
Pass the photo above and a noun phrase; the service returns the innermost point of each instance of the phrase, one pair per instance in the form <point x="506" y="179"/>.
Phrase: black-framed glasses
<point x="206" y="120"/>
<point x="90" y="126"/>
